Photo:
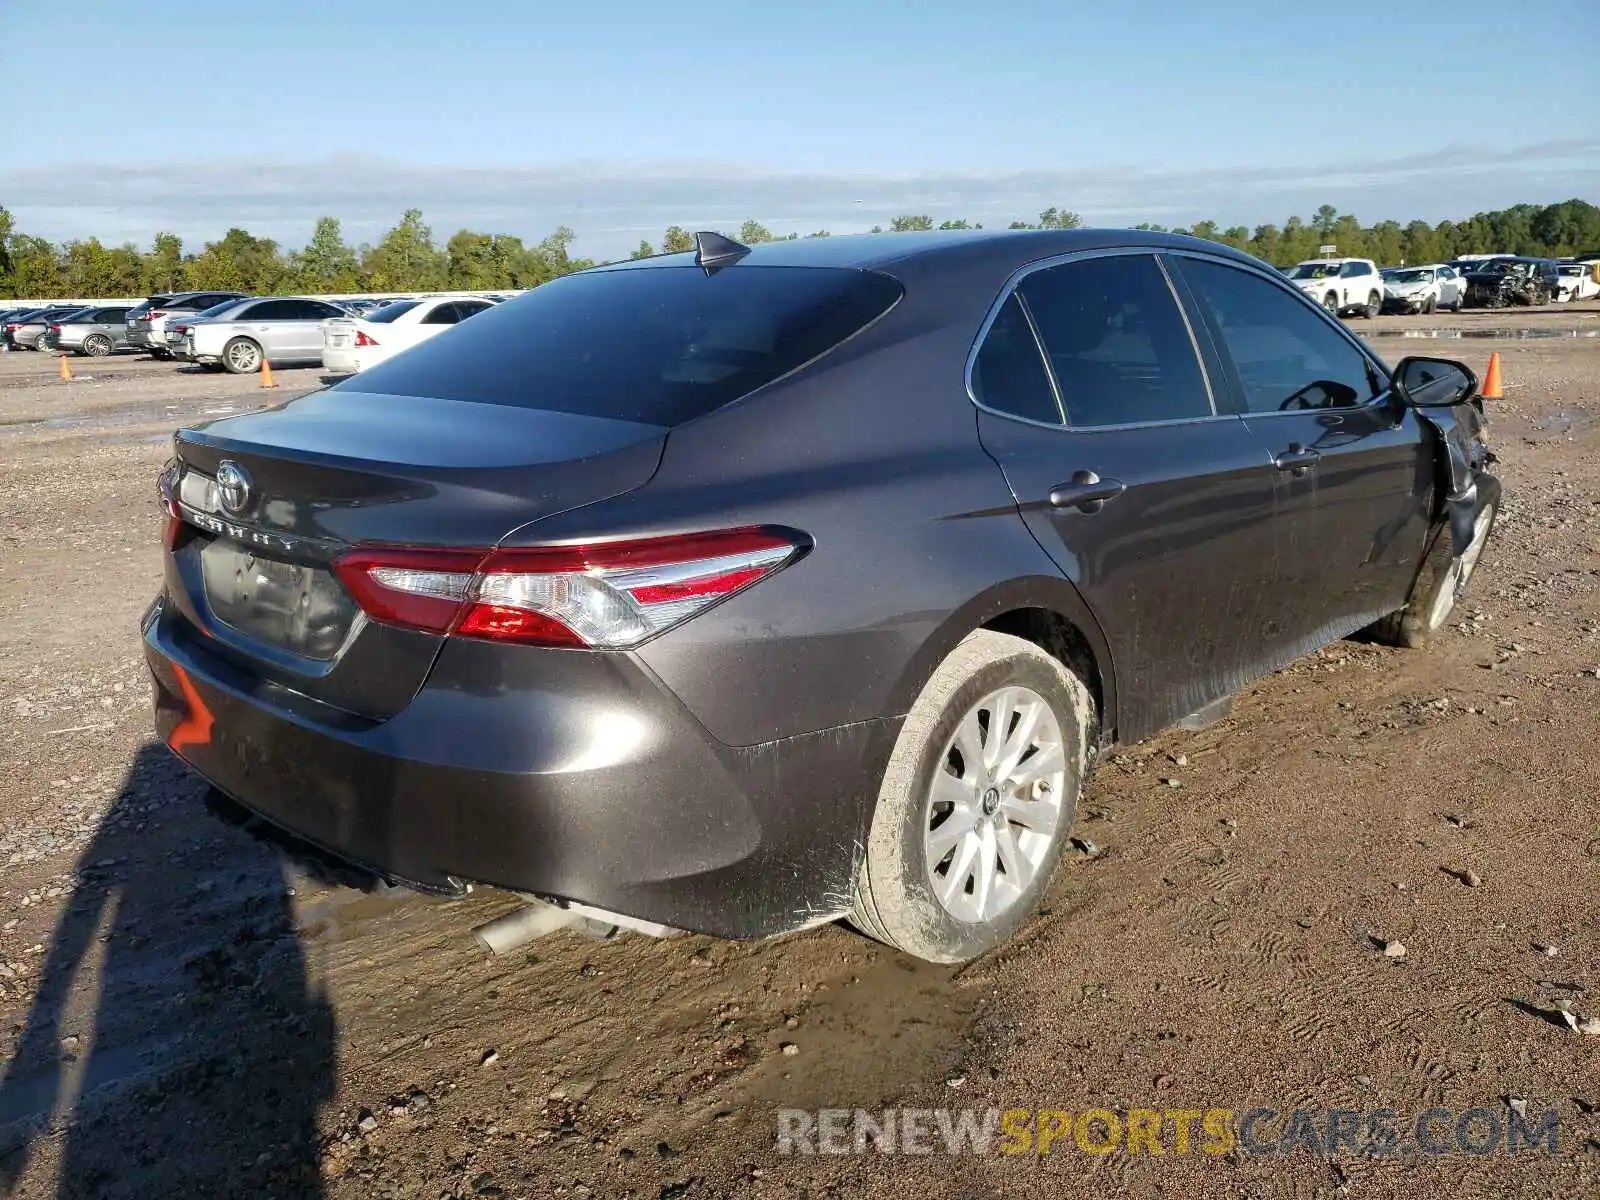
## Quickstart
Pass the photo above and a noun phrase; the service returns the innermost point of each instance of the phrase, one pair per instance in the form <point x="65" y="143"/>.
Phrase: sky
<point x="621" y="118"/>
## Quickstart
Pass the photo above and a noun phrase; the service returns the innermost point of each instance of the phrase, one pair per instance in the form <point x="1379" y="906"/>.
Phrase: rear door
<point x="1158" y="507"/>
<point x="273" y="323"/>
<point x="1353" y="465"/>
<point x="307" y="336"/>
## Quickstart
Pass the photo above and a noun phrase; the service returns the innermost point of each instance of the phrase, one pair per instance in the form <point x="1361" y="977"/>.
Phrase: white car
<point x="1423" y="289"/>
<point x="1341" y="285"/>
<point x="1578" y="281"/>
<point x="352" y="344"/>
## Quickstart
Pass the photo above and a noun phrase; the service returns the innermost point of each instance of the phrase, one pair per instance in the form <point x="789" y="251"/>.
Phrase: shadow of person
<point x="175" y="1045"/>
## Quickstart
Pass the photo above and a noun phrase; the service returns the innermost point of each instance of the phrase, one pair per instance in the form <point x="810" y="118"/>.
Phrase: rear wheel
<point x="1374" y="304"/>
<point x="1439" y="585"/>
<point x="97" y="345"/>
<point x="38" y="342"/>
<point x="161" y="355"/>
<point x="1331" y="303"/>
<point x="242" y="356"/>
<point x="977" y="803"/>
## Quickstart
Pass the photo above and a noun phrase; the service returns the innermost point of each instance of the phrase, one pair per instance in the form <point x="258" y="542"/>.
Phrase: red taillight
<point x="362" y="339"/>
<point x="55" y="328"/>
<point x="180" y="330"/>
<point x="610" y="595"/>
<point x="152" y="315"/>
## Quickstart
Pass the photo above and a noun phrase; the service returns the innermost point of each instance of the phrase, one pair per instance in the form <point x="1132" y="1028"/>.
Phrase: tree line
<point x="407" y="258"/>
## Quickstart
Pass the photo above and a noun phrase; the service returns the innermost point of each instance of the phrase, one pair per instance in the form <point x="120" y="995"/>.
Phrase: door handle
<point x="1086" y="492"/>
<point x="1297" y="459"/>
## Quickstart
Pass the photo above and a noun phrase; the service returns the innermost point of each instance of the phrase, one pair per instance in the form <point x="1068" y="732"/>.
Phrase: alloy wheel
<point x="994" y="807"/>
<point x="243" y="357"/>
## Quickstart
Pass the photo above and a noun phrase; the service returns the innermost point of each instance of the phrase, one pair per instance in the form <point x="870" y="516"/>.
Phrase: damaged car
<point x="749" y="588"/>
<point x="1503" y="282"/>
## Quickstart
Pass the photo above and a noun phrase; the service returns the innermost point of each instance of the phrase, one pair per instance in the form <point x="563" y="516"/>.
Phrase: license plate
<point x="338" y="340"/>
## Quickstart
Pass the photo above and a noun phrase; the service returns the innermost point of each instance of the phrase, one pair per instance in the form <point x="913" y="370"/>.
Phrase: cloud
<point x="612" y="204"/>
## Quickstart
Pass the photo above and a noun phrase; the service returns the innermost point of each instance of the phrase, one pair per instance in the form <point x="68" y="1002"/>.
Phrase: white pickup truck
<point x="1341" y="285"/>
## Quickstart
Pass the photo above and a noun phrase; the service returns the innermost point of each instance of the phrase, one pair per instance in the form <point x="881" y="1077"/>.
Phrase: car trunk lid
<point x="269" y="500"/>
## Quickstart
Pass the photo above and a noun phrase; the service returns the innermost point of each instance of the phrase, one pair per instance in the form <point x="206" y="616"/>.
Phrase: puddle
<point x="1515" y="335"/>
<point x="1563" y="421"/>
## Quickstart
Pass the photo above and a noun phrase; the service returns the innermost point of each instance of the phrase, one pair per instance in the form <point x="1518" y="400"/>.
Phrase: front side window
<point x="1286" y="354"/>
<point x="1008" y="374"/>
<point x="1116" y="342"/>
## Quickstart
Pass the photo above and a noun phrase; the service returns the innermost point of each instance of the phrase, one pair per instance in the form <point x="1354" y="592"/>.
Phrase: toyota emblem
<point x="234" y="492"/>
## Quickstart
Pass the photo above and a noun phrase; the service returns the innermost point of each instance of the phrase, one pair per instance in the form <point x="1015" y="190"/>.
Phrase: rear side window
<point x="1287" y="355"/>
<point x="442" y="314"/>
<point x="390" y="311"/>
<point x="1117" y="343"/>
<point x="657" y="345"/>
<point x="271" y="310"/>
<point x="1008" y="375"/>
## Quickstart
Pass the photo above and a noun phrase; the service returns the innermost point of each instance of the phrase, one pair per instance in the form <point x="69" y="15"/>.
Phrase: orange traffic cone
<point x="1491" y="380"/>
<point x="266" y="373"/>
<point x="66" y="369"/>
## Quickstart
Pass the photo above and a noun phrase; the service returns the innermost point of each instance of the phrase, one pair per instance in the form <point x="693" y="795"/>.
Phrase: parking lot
<point x="164" y="982"/>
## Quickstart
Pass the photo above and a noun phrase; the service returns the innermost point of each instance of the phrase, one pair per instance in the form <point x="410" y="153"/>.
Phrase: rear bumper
<point x="344" y="361"/>
<point x="565" y="774"/>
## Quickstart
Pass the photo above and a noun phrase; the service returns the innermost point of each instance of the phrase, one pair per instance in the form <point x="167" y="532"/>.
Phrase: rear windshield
<point x="390" y="311"/>
<point x="216" y="310"/>
<point x="657" y="345"/>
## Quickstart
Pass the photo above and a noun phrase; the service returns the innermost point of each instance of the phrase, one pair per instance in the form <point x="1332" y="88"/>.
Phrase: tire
<point x="38" y="342"/>
<point x="989" y="677"/>
<point x="1331" y="303"/>
<point x="97" y="345"/>
<point x="160" y="355"/>
<point x="1440" y="583"/>
<point x="242" y="356"/>
<point x="1374" y="304"/>
<point x="1429" y="305"/>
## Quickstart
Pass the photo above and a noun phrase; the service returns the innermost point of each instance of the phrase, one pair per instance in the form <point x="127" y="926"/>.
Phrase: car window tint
<point x="272" y="310"/>
<point x="1116" y="342"/>
<point x="442" y="314"/>
<point x="1286" y="354"/>
<point x="320" y="310"/>
<point x="466" y="308"/>
<point x="654" y="344"/>
<point x="1008" y="374"/>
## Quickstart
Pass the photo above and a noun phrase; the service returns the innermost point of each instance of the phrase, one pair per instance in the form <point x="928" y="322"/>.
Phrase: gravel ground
<point x="181" y="1013"/>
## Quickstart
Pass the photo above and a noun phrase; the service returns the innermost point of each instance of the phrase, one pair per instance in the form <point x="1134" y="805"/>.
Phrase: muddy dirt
<point x="183" y="1014"/>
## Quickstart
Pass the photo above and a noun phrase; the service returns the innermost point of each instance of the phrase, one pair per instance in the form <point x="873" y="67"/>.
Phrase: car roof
<point x="992" y="247"/>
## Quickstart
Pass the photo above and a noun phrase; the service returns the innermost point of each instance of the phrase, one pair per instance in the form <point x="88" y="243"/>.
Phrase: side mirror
<point x="1433" y="382"/>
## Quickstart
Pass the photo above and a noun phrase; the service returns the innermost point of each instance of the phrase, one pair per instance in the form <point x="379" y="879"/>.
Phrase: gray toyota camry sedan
<point x="744" y="589"/>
